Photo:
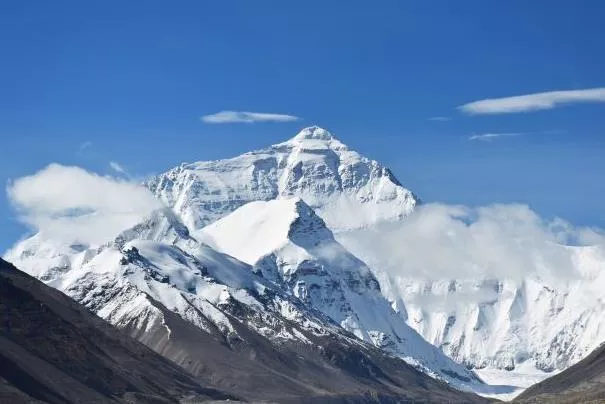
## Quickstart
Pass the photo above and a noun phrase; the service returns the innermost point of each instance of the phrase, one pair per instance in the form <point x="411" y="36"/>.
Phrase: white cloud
<point x="442" y="242"/>
<point x="247" y="117"/>
<point x="488" y="137"/>
<point x="440" y="118"/>
<point x="533" y="102"/>
<point x="72" y="204"/>
<point x="117" y="167"/>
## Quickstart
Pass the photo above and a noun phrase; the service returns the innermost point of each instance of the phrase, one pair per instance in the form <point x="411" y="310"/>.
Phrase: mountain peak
<point x="314" y="133"/>
<point x="346" y="189"/>
<point x="278" y="221"/>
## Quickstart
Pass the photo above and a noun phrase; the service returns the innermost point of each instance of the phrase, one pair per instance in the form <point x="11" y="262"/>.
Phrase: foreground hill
<point x="54" y="350"/>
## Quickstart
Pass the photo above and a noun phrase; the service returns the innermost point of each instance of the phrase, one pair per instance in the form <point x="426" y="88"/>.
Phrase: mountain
<point x="346" y="189"/>
<point x="53" y="350"/>
<point x="510" y="331"/>
<point x="583" y="382"/>
<point x="227" y="325"/>
<point x="484" y="323"/>
<point x="288" y="243"/>
<point x="304" y="220"/>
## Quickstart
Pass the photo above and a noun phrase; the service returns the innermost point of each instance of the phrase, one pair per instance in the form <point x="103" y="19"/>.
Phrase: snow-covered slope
<point x="120" y="280"/>
<point x="482" y="323"/>
<point x="289" y="244"/>
<point x="511" y="330"/>
<point x="346" y="189"/>
<point x="130" y="280"/>
<point x="299" y="213"/>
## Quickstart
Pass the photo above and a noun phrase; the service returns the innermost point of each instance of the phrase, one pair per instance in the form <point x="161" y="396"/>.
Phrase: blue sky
<point x="87" y="83"/>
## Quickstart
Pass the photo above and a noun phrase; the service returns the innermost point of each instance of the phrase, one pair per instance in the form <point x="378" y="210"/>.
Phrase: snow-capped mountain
<point x="286" y="242"/>
<point x="139" y="283"/>
<point x="346" y="189"/>
<point x="276" y="239"/>
<point x="228" y="326"/>
<point x="496" y="334"/>
<point x="511" y="331"/>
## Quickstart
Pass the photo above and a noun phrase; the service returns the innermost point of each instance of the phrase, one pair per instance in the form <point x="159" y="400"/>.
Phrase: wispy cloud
<point x="488" y="137"/>
<point x="117" y="167"/>
<point x="247" y="117"/>
<point x="533" y="102"/>
<point x="440" y="118"/>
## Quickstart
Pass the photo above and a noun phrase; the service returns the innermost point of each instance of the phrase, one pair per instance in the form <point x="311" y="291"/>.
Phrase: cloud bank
<point x="247" y="117"/>
<point x="457" y="242"/>
<point x="72" y="204"/>
<point x="533" y="102"/>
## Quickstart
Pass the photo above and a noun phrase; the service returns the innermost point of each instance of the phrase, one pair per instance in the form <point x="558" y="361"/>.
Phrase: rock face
<point x="53" y="350"/>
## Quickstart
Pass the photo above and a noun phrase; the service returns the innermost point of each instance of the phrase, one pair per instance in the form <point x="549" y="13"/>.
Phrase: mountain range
<point x="259" y="270"/>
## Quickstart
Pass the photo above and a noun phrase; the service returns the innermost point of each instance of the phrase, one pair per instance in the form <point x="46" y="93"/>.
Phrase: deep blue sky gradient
<point x="133" y="78"/>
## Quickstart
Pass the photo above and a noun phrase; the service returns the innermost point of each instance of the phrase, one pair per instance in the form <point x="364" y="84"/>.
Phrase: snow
<point x="266" y="229"/>
<point x="347" y="189"/>
<point x="509" y="330"/>
<point x="287" y="236"/>
<point x="121" y="281"/>
<point x="45" y="257"/>
<point x="523" y="377"/>
<point x="283" y="230"/>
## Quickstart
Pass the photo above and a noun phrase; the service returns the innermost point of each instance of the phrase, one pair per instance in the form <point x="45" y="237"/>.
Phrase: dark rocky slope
<point x="53" y="350"/>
